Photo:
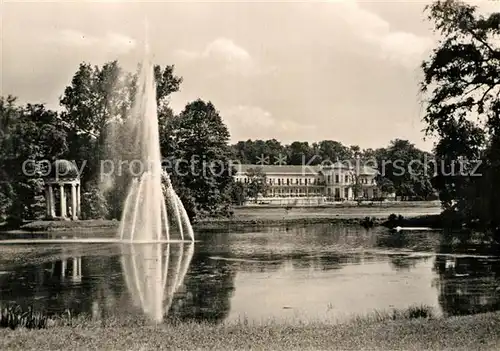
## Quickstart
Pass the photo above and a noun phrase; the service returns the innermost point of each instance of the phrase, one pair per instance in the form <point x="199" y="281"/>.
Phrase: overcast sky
<point x="341" y="70"/>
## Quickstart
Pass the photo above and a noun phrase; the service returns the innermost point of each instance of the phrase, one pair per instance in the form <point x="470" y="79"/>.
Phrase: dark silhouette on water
<point x="468" y="285"/>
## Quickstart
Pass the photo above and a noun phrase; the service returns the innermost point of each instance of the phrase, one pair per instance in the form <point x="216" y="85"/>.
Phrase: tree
<point x="32" y="136"/>
<point x="250" y="151"/>
<point x="462" y="88"/>
<point x="406" y="167"/>
<point x="97" y="97"/>
<point x="94" y="204"/>
<point x="357" y="188"/>
<point x="333" y="150"/>
<point x="238" y="193"/>
<point x="299" y="153"/>
<point x="385" y="185"/>
<point x="200" y="157"/>
<point x="257" y="184"/>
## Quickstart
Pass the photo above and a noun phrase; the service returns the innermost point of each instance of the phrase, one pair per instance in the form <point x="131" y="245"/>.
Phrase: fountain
<point x="152" y="210"/>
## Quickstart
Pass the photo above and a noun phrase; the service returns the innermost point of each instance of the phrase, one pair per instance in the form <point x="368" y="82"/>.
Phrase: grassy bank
<point x="85" y="225"/>
<point x="262" y="216"/>
<point x="477" y="332"/>
<point x="95" y="226"/>
<point x="98" y="226"/>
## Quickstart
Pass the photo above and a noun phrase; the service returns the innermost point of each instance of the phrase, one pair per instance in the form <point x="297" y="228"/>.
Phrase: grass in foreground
<point x="379" y="331"/>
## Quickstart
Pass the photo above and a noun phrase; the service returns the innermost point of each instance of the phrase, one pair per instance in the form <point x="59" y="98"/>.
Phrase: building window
<point x="337" y="193"/>
<point x="329" y="179"/>
<point x="337" y="178"/>
<point x="346" y="178"/>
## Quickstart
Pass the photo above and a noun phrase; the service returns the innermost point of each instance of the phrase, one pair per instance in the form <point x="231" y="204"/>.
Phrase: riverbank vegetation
<point x="462" y="99"/>
<point x="418" y="330"/>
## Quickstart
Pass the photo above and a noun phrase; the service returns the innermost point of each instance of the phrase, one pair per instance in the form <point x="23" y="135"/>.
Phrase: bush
<point x="93" y="204"/>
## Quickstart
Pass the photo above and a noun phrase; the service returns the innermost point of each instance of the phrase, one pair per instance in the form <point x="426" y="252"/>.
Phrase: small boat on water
<point x="398" y="229"/>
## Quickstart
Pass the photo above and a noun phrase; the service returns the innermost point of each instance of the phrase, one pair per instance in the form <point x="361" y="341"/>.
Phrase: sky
<point x="308" y="71"/>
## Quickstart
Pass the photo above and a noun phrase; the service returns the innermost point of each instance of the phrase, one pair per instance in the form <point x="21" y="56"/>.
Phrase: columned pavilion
<point x="62" y="191"/>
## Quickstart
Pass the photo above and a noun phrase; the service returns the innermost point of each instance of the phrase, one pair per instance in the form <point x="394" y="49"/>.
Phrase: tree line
<point x="403" y="168"/>
<point x="97" y="96"/>
<point x="462" y="108"/>
<point x="78" y="132"/>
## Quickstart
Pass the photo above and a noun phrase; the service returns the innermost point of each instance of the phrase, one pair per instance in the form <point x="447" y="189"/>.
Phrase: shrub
<point x="93" y="204"/>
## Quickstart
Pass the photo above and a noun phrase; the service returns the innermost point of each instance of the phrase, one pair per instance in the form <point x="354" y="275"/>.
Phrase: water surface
<point x="310" y="272"/>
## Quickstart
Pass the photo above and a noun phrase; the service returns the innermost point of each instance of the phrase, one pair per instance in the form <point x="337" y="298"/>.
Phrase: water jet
<point x="152" y="210"/>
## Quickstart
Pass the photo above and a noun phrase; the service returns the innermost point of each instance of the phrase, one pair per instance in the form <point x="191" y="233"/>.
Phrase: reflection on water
<point x="319" y="271"/>
<point x="468" y="285"/>
<point x="153" y="273"/>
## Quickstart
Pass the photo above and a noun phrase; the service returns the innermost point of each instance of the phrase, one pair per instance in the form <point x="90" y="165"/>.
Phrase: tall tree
<point x="462" y="86"/>
<point x="333" y="150"/>
<point x="96" y="97"/>
<point x="200" y="160"/>
<point x="408" y="168"/>
<point x="257" y="184"/>
<point x="32" y="137"/>
<point x="299" y="153"/>
<point x="99" y="95"/>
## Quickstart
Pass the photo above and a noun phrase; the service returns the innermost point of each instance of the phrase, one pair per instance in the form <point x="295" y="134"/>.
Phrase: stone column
<point x="63" y="268"/>
<point x="78" y="204"/>
<point x="75" y="268"/>
<point x="47" y="201"/>
<point x="63" y="201"/>
<point x="52" y="202"/>
<point x="74" y="205"/>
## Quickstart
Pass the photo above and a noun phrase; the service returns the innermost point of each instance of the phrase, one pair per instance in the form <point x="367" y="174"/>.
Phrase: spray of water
<point x="145" y="216"/>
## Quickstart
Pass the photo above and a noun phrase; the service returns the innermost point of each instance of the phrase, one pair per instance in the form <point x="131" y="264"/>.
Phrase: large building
<point x="313" y="184"/>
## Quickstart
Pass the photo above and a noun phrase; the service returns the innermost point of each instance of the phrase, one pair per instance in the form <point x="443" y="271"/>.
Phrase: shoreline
<point x="99" y="226"/>
<point x="40" y="227"/>
<point x="92" y="226"/>
<point x="472" y="332"/>
<point x="424" y="215"/>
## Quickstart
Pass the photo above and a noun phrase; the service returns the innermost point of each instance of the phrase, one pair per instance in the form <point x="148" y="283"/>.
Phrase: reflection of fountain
<point x="153" y="273"/>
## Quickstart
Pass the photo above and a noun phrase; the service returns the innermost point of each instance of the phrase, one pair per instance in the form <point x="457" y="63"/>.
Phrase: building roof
<point x="303" y="169"/>
<point x="290" y="169"/>
<point x="64" y="169"/>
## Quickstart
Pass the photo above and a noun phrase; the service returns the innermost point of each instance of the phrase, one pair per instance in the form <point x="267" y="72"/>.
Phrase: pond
<point x="308" y="272"/>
